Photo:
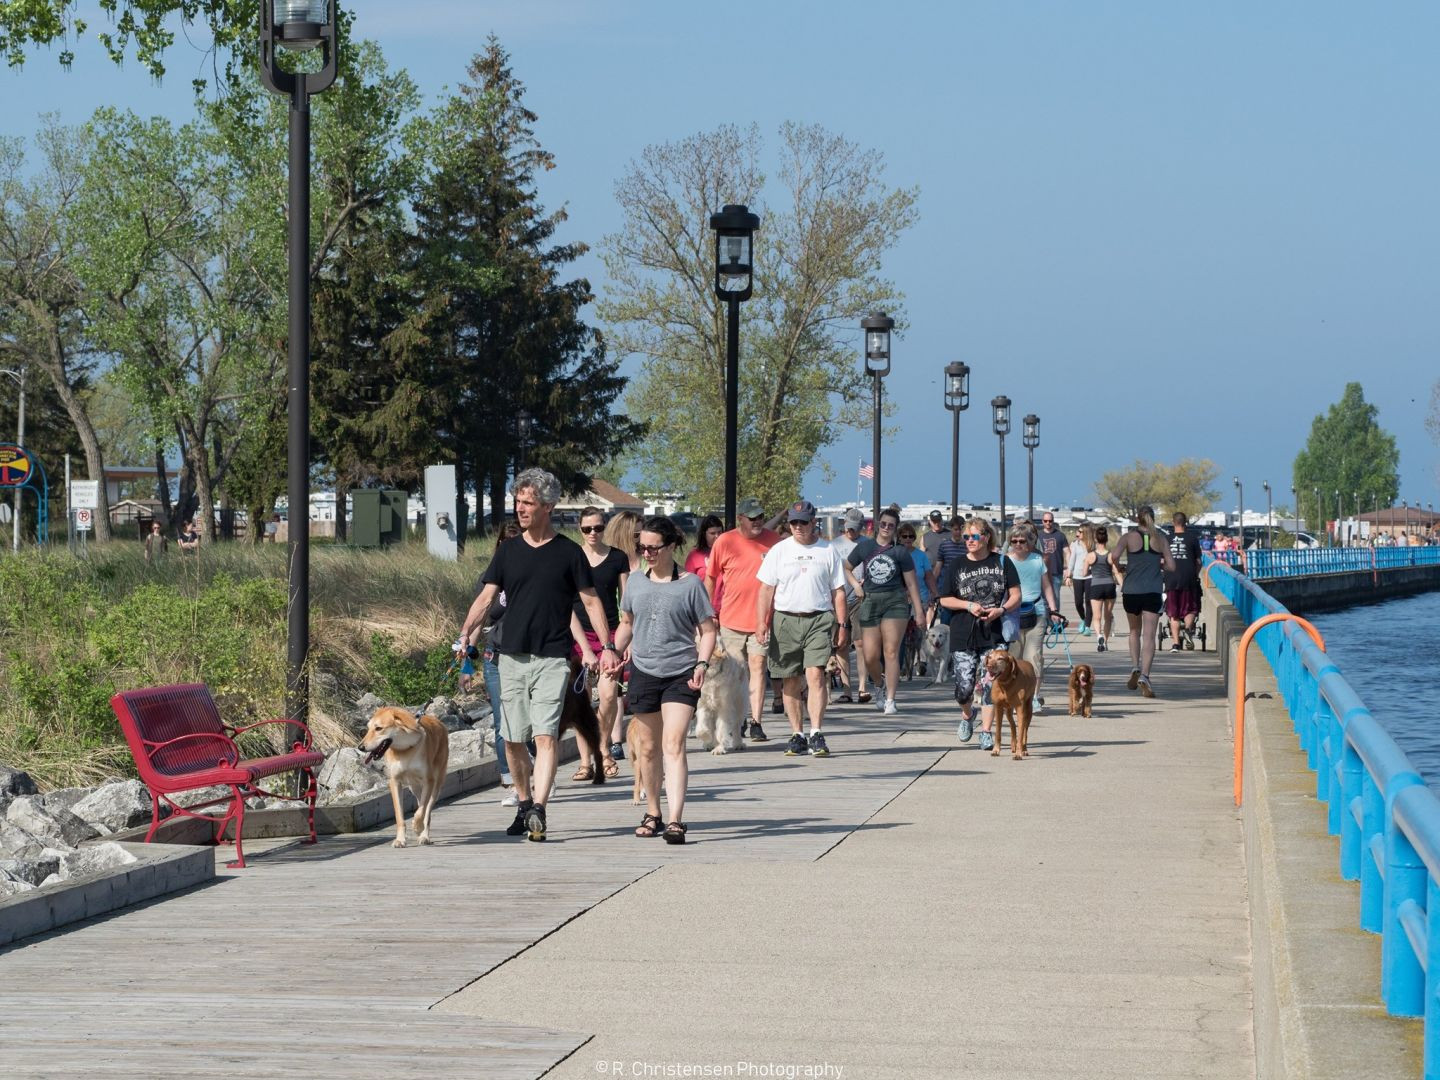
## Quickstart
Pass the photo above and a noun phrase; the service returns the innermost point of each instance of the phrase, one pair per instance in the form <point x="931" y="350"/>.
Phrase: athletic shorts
<point x="1102" y="592"/>
<point x="1182" y="603"/>
<point x="649" y="692"/>
<point x="532" y="694"/>
<point x="798" y="642"/>
<point x="1136" y="603"/>
<point x="879" y="606"/>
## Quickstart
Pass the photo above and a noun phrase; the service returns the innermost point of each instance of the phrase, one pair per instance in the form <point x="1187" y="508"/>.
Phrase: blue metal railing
<point x="1301" y="562"/>
<point x="1388" y="821"/>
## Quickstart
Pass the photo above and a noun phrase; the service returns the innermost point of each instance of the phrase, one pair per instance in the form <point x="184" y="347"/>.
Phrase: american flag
<point x="867" y="471"/>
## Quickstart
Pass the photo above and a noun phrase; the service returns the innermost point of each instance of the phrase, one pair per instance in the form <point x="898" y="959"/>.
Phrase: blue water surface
<point x="1390" y="654"/>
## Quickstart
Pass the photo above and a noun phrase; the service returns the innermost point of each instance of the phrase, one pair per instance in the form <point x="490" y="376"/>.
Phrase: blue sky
<point x="1169" y="230"/>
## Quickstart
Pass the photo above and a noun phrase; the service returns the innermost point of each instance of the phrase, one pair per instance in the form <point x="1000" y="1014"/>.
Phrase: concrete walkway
<point x="909" y="907"/>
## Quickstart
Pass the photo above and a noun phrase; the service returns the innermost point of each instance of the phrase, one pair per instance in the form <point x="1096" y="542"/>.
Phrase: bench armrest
<point x="232" y="752"/>
<point x="237" y="732"/>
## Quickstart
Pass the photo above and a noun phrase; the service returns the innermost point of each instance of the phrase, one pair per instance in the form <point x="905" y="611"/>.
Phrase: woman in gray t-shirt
<point x="662" y="613"/>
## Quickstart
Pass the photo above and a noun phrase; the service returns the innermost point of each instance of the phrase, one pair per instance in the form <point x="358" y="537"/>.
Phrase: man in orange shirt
<point x="735" y="562"/>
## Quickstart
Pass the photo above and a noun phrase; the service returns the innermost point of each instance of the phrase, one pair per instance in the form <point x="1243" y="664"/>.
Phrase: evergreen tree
<point x="1349" y="452"/>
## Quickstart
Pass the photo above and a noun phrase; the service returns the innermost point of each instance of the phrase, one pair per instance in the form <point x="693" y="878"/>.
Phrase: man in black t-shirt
<point x="540" y="573"/>
<point x="1182" y="585"/>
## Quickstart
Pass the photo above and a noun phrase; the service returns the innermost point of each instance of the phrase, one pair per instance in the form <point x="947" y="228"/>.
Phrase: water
<point x="1390" y="654"/>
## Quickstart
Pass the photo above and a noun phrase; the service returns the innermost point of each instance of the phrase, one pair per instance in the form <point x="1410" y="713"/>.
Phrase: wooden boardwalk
<point x="487" y="956"/>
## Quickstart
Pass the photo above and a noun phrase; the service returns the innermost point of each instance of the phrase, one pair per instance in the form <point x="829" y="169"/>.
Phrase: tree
<point x="818" y="256"/>
<point x="1349" y="452"/>
<point x="1184" y="486"/>
<point x="504" y="329"/>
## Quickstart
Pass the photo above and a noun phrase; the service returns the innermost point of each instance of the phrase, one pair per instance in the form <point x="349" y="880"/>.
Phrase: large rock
<point x="368" y="704"/>
<point x="65" y="798"/>
<point x="94" y="859"/>
<point x="13" y="782"/>
<point x="16" y="843"/>
<point x="35" y="870"/>
<point x="28" y="812"/>
<point x="477" y="713"/>
<point x="114" y="807"/>
<point x="469" y="747"/>
<point x="345" y="775"/>
<point x="11" y="885"/>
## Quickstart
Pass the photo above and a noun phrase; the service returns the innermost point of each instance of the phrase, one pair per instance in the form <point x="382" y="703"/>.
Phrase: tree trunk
<point x="197" y="459"/>
<point x="497" y="495"/>
<point x="94" y="456"/>
<point x="462" y="509"/>
<point x="162" y="484"/>
<point x="342" y="494"/>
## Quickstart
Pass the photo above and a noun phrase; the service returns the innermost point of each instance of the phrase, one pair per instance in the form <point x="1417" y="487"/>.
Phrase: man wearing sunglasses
<point x="734" y="565"/>
<point x="1051" y="545"/>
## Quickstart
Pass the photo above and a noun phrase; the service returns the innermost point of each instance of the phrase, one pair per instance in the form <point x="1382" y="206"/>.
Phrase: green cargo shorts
<point x="798" y="642"/>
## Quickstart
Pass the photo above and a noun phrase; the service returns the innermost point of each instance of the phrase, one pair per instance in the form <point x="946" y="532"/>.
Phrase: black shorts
<point x="1101" y="592"/>
<point x="1135" y="603"/>
<point x="648" y="692"/>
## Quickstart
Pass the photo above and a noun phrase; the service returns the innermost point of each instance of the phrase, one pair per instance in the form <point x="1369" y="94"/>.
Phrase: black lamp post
<point x="1030" y="439"/>
<point x="1240" y="510"/>
<point x="734" y="229"/>
<point x="1358" y="512"/>
<point x="957" y="400"/>
<point x="298" y="26"/>
<point x="1000" y="413"/>
<point x="1295" y="502"/>
<point x="1320" y="515"/>
<point x="877" y="327"/>
<point x="1269" y="517"/>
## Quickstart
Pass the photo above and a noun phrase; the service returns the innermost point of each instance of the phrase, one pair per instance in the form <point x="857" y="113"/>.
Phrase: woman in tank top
<point x="1147" y="555"/>
<point x="1102" y="589"/>
<point x="1077" y="574"/>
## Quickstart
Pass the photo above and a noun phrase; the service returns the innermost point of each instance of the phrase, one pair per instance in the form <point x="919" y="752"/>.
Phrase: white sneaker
<point x="890" y="709"/>
<point x="880" y="703"/>
<point x="510" y="799"/>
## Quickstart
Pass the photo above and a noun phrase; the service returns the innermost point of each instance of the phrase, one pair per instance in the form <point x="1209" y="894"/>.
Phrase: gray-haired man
<point x="540" y="573"/>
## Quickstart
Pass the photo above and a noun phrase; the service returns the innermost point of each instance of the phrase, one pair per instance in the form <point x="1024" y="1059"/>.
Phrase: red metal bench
<point x="180" y="744"/>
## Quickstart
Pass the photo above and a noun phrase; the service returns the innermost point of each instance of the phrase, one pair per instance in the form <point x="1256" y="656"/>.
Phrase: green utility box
<point x="377" y="516"/>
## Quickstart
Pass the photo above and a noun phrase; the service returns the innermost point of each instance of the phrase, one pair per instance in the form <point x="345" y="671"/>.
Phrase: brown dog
<point x="578" y="713"/>
<point x="1082" y="687"/>
<point x="1013" y="694"/>
<point x="416" y="750"/>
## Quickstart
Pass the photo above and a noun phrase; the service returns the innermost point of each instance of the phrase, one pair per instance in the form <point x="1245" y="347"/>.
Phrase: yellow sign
<point x="14" y="465"/>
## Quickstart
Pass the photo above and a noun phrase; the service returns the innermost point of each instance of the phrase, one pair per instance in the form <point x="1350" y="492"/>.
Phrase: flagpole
<point x="859" y="481"/>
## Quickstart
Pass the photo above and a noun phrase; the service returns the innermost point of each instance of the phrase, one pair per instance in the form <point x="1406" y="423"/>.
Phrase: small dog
<point x="416" y="750"/>
<point x="935" y="652"/>
<point x="1013" y="694"/>
<point x="578" y="713"/>
<point x="1082" y="687"/>
<point x="722" y="704"/>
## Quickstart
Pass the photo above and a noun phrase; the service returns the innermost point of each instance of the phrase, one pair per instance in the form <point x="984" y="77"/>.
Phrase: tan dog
<point x="1013" y="693"/>
<point x="416" y="750"/>
<point x="1082" y="687"/>
<point x="722" y="706"/>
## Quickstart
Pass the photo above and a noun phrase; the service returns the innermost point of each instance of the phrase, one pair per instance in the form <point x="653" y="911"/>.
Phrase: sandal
<point x="863" y="697"/>
<point x="612" y="769"/>
<point x="844" y="699"/>
<point x="674" y="832"/>
<point x="649" y="826"/>
<point x="585" y="772"/>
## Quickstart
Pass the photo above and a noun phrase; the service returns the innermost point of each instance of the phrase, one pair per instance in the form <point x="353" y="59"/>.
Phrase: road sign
<point x="82" y="520"/>
<point x="85" y="494"/>
<point x="14" y="465"/>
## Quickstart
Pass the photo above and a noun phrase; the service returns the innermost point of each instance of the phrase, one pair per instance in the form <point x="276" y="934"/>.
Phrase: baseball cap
<point x="854" y="519"/>
<point x="751" y="508"/>
<point x="801" y="511"/>
<point x="935" y="515"/>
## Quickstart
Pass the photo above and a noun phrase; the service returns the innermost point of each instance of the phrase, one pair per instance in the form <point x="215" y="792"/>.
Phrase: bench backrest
<point x="158" y="714"/>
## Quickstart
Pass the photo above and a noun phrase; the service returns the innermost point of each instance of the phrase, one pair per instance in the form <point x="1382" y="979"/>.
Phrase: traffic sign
<point x="85" y="494"/>
<point x="15" y="465"/>
<point x="82" y="520"/>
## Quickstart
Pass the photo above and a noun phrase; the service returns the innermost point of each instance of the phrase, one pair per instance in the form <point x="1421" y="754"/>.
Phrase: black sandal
<point x="674" y="832"/>
<point x="649" y="826"/>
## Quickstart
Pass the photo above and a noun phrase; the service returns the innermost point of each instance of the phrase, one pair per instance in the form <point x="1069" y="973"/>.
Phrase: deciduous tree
<point x="1349" y="452"/>
<point x="1184" y="486"/>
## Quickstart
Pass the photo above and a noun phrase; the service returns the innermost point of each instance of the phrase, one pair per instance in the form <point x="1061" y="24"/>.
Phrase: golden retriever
<point x="416" y="750"/>
<point x="722" y="705"/>
<point x="1082" y="687"/>
<point x="1013" y="694"/>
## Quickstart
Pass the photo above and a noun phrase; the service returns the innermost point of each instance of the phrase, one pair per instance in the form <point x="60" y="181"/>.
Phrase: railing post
<point x="1402" y="979"/>
<point x="1322" y="718"/>
<point x="1372" y="854"/>
<point x="1351" y="806"/>
<point x="1431" y="1058"/>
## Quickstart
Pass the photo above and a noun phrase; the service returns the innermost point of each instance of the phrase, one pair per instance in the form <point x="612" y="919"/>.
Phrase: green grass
<point x="73" y="631"/>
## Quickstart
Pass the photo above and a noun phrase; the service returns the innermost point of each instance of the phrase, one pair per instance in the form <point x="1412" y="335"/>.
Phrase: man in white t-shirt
<point x="800" y="615"/>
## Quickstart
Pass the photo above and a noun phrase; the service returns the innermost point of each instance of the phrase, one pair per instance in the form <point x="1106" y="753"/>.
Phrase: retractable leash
<point x="1055" y="632"/>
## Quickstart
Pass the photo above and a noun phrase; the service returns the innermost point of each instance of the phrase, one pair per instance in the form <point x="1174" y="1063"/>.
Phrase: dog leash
<point x="1056" y="630"/>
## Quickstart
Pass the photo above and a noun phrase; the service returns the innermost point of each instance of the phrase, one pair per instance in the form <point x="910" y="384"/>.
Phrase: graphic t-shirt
<point x="1052" y="549"/>
<point x="1185" y="553"/>
<point x="664" y="616"/>
<point x="885" y="567"/>
<point x="540" y="584"/>
<point x="985" y="582"/>
<point x="734" y="562"/>
<point x="804" y="576"/>
<point x="606" y="577"/>
<point x="843" y="545"/>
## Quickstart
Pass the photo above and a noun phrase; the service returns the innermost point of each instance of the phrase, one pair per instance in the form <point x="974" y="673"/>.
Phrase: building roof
<point x="604" y="495"/>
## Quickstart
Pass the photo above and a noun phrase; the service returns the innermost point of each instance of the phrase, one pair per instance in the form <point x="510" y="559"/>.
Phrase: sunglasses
<point x="1018" y="540"/>
<point x="651" y="549"/>
<point x="1048" y="521"/>
<point x="973" y="537"/>
<point x="757" y="519"/>
<point x="590" y="530"/>
<point x="887" y="524"/>
<point x="906" y="539"/>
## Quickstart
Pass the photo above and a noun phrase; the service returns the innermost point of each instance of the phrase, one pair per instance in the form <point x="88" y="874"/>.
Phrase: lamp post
<point x="1358" y="511"/>
<point x="1269" y="517"/>
<point x="734" y="229"/>
<point x="1239" y="510"/>
<point x="877" y="327"/>
<point x="1339" y="518"/>
<point x="1320" y="515"/>
<point x="1030" y="439"/>
<point x="1000" y="409"/>
<point x="522" y="447"/>
<point x="1295" y="502"/>
<point x="18" y="374"/>
<point x="957" y="400"/>
<point x="298" y="26"/>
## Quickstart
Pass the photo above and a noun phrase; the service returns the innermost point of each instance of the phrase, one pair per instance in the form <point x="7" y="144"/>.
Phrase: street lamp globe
<point x="300" y="24"/>
<point x="734" y="229"/>
<point x="877" y="327"/>
<point x="1031" y="437"/>
<point x="1000" y="408"/>
<point x="957" y="386"/>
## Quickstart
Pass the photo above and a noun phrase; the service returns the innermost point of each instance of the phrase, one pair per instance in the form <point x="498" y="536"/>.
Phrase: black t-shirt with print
<point x="607" y="583"/>
<point x="540" y="585"/>
<point x="985" y="582"/>
<point x="885" y="567"/>
<point x="1185" y="554"/>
